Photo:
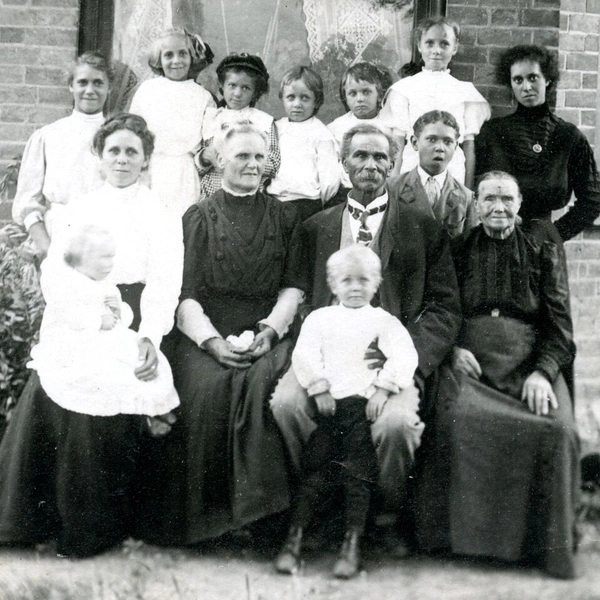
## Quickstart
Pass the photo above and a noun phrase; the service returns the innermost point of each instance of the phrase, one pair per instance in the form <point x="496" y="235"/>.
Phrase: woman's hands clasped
<point x="228" y="355"/>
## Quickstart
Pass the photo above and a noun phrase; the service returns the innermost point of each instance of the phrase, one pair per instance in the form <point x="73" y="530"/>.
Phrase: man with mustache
<point x="419" y="287"/>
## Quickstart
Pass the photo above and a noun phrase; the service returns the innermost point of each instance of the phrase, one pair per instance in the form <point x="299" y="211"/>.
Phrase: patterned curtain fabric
<point x="137" y="24"/>
<point x="329" y="34"/>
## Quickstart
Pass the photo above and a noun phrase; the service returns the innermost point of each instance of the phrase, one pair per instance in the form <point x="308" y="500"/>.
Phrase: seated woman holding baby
<point x="500" y="464"/>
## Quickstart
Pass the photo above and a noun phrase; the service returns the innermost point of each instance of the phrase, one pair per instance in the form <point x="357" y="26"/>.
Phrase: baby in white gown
<point x="87" y="356"/>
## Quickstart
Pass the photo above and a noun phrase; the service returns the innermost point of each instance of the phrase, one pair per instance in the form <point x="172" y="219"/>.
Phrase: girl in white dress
<point x="174" y="107"/>
<point x="58" y="163"/>
<point x="435" y="89"/>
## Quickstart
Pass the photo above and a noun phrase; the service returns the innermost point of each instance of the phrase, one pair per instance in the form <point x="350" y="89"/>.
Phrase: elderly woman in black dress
<point x="550" y="158"/>
<point x="500" y="473"/>
<point x="224" y="466"/>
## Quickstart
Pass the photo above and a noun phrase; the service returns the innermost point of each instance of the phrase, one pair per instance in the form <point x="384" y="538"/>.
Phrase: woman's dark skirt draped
<point x="223" y="466"/>
<point x="497" y="480"/>
<point x="68" y="476"/>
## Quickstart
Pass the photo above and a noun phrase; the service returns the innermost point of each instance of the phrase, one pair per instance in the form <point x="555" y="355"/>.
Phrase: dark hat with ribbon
<point x="244" y="61"/>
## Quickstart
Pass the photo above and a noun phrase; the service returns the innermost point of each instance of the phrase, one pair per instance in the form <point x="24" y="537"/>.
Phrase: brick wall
<point x="489" y="27"/>
<point x="573" y="28"/>
<point x="38" y="41"/>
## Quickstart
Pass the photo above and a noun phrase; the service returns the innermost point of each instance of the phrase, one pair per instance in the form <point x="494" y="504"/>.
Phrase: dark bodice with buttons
<point x="239" y="252"/>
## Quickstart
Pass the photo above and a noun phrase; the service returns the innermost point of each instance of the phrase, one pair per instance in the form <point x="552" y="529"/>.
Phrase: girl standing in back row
<point x="174" y="107"/>
<point x="434" y="88"/>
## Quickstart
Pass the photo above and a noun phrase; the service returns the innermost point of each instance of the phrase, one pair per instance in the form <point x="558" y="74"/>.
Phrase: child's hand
<point x="108" y="321"/>
<point x="326" y="404"/>
<point x="113" y="304"/>
<point x="208" y="157"/>
<point x="376" y="403"/>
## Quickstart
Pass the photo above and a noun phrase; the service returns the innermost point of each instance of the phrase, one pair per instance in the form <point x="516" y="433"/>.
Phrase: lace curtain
<point x="329" y="34"/>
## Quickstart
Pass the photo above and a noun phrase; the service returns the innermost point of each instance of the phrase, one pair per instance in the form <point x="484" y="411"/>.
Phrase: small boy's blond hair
<point x="339" y="261"/>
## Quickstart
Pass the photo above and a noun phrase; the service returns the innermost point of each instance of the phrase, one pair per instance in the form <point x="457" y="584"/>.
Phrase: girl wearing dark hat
<point x="243" y="79"/>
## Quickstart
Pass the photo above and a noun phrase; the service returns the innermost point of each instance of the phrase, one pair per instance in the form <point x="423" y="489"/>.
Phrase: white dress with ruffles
<point x="175" y="113"/>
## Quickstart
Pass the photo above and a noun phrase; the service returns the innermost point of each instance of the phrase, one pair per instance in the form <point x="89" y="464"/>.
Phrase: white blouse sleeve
<point x="328" y="168"/>
<point x="396" y="112"/>
<point x="307" y="358"/>
<point x="477" y="111"/>
<point x="163" y="278"/>
<point x="284" y="311"/>
<point x="29" y="198"/>
<point x="195" y="323"/>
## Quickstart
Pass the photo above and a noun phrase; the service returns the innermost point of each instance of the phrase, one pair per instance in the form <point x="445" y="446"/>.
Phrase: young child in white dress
<point x="243" y="79"/>
<point x="309" y="174"/>
<point x="435" y="89"/>
<point x="328" y="361"/>
<point x="87" y="356"/>
<point x="362" y="89"/>
<point x="174" y="107"/>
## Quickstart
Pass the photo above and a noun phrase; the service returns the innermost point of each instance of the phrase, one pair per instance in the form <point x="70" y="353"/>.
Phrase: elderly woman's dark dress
<point x="550" y="158"/>
<point x="225" y="465"/>
<point x="498" y="480"/>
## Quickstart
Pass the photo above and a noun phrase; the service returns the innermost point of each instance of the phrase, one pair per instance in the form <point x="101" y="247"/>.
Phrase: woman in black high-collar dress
<point x="224" y="466"/>
<point x="549" y="157"/>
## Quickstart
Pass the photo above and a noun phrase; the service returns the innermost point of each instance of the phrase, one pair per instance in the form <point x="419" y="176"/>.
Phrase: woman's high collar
<point x="95" y="118"/>
<point x="533" y="113"/>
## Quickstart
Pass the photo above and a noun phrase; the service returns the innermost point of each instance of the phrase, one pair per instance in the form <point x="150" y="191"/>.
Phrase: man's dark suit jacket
<point x="419" y="282"/>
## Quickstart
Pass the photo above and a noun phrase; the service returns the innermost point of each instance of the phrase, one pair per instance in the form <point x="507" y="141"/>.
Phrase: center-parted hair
<point x="133" y="123"/>
<point x="353" y="256"/>
<point x="311" y="79"/>
<point x="238" y="128"/>
<point x="435" y="116"/>
<point x="490" y="175"/>
<point x="363" y="71"/>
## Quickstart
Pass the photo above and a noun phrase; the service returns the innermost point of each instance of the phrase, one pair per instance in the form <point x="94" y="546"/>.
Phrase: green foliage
<point x="21" y="308"/>
<point x="21" y="303"/>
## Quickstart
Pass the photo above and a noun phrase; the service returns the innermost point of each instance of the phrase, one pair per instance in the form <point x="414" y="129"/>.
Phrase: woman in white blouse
<point x="67" y="474"/>
<point x="58" y="163"/>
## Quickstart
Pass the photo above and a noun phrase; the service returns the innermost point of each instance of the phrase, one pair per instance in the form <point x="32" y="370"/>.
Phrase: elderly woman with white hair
<point x="500" y="464"/>
<point x="242" y="284"/>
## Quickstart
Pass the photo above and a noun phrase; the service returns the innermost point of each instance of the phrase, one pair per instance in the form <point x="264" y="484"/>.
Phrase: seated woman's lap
<point x="72" y="472"/>
<point x="496" y="479"/>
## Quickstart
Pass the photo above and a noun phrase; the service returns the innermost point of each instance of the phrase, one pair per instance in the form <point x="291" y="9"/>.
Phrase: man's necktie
<point x="365" y="235"/>
<point x="433" y="190"/>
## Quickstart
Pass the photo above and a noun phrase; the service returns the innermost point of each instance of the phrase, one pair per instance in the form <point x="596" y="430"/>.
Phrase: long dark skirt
<point x="66" y="476"/>
<point x="496" y="480"/>
<point x="224" y="465"/>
